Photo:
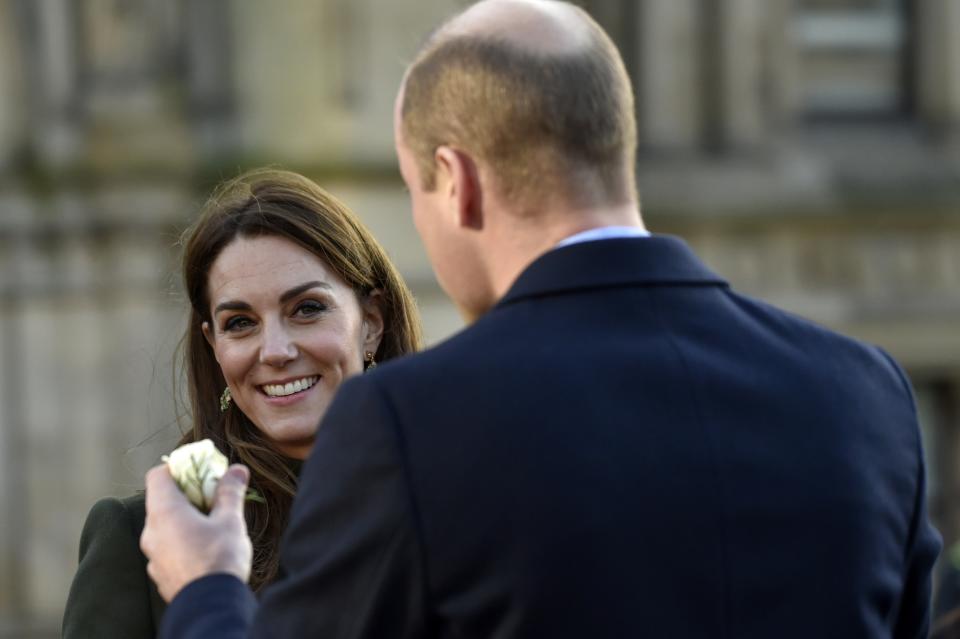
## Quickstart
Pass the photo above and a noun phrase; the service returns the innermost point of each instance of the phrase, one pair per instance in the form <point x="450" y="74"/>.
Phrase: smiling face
<point x="286" y="331"/>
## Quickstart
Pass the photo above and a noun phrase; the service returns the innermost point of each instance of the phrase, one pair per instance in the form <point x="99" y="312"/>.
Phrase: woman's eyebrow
<point x="237" y="305"/>
<point x="231" y="305"/>
<point x="297" y="290"/>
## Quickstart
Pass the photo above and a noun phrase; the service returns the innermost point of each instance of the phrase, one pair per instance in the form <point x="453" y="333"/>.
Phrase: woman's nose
<point x="277" y="348"/>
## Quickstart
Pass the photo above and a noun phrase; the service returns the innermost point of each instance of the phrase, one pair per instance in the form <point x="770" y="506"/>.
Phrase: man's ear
<point x="459" y="180"/>
<point x="372" y="309"/>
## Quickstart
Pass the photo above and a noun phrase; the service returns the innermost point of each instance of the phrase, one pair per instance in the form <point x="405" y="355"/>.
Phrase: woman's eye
<point x="238" y="323"/>
<point x="309" y="309"/>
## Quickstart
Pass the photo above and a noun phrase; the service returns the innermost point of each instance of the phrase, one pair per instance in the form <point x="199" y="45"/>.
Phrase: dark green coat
<point x="111" y="594"/>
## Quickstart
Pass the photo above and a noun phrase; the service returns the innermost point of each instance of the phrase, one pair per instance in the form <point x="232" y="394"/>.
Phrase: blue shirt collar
<point x="604" y="233"/>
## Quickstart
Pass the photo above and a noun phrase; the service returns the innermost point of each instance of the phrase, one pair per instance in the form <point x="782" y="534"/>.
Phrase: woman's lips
<point x="289" y="392"/>
<point x="290" y="387"/>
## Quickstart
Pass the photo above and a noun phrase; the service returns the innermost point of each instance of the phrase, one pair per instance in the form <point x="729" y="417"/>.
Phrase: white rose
<point x="197" y="467"/>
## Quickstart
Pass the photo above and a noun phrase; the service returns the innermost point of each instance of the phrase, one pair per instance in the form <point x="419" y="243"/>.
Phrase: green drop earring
<point x="225" y="399"/>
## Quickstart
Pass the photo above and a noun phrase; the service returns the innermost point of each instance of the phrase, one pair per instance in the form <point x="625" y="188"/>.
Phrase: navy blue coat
<point x="622" y="447"/>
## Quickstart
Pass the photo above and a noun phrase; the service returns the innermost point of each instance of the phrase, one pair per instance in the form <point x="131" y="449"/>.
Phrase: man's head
<point x="512" y="112"/>
<point x="534" y="89"/>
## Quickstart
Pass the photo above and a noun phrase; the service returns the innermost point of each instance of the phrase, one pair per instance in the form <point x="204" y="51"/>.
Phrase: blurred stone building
<point x="808" y="149"/>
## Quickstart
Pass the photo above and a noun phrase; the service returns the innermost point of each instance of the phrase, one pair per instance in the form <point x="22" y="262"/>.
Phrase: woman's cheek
<point x="331" y="349"/>
<point x="235" y="359"/>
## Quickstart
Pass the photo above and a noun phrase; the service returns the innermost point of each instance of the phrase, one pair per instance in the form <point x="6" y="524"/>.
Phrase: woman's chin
<point x="289" y="432"/>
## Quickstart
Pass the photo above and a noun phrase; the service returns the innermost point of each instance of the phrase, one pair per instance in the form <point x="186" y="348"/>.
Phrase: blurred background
<point x="809" y="150"/>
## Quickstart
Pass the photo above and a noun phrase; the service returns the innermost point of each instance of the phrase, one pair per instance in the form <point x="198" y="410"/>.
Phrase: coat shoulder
<point x="122" y="513"/>
<point x="111" y="594"/>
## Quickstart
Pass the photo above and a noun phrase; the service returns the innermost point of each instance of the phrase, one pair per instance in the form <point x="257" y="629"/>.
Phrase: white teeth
<point x="282" y="390"/>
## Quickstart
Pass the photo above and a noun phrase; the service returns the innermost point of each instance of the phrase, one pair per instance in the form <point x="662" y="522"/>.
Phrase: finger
<point x="146" y="543"/>
<point x="160" y="486"/>
<point x="156" y="481"/>
<point x="231" y="490"/>
<point x="156" y="577"/>
<point x="148" y="538"/>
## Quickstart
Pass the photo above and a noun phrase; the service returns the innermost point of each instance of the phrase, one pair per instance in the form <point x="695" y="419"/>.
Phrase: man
<point x="618" y="446"/>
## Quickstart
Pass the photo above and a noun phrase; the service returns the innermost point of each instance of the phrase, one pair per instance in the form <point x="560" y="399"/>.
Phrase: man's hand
<point x="182" y="544"/>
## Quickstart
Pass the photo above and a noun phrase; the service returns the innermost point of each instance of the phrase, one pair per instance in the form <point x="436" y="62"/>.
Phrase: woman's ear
<point x="208" y="335"/>
<point x="372" y="308"/>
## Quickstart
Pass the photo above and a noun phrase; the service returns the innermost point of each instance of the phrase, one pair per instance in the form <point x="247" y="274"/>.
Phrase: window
<point x="854" y="57"/>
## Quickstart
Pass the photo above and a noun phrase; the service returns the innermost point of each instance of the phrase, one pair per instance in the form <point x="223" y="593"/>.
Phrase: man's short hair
<point x="539" y="120"/>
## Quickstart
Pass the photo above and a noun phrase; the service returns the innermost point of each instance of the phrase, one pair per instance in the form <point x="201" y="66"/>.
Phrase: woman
<point x="290" y="294"/>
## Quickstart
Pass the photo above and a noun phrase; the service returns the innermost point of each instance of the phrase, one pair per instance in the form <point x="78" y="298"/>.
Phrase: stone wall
<point x="119" y="117"/>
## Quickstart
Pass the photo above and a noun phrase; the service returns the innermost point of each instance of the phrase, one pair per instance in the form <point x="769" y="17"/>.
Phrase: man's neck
<point x="522" y="240"/>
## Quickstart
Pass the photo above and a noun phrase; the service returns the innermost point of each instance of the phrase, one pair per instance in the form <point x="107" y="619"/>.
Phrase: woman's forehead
<point x="266" y="264"/>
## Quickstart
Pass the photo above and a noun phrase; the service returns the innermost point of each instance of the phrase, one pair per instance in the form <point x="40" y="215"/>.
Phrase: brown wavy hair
<point x="288" y="205"/>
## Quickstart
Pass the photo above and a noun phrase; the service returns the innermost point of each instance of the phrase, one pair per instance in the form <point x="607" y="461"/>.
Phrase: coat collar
<point x="659" y="259"/>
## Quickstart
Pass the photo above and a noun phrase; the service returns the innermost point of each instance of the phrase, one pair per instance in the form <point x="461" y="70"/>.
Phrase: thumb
<point x="231" y="490"/>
